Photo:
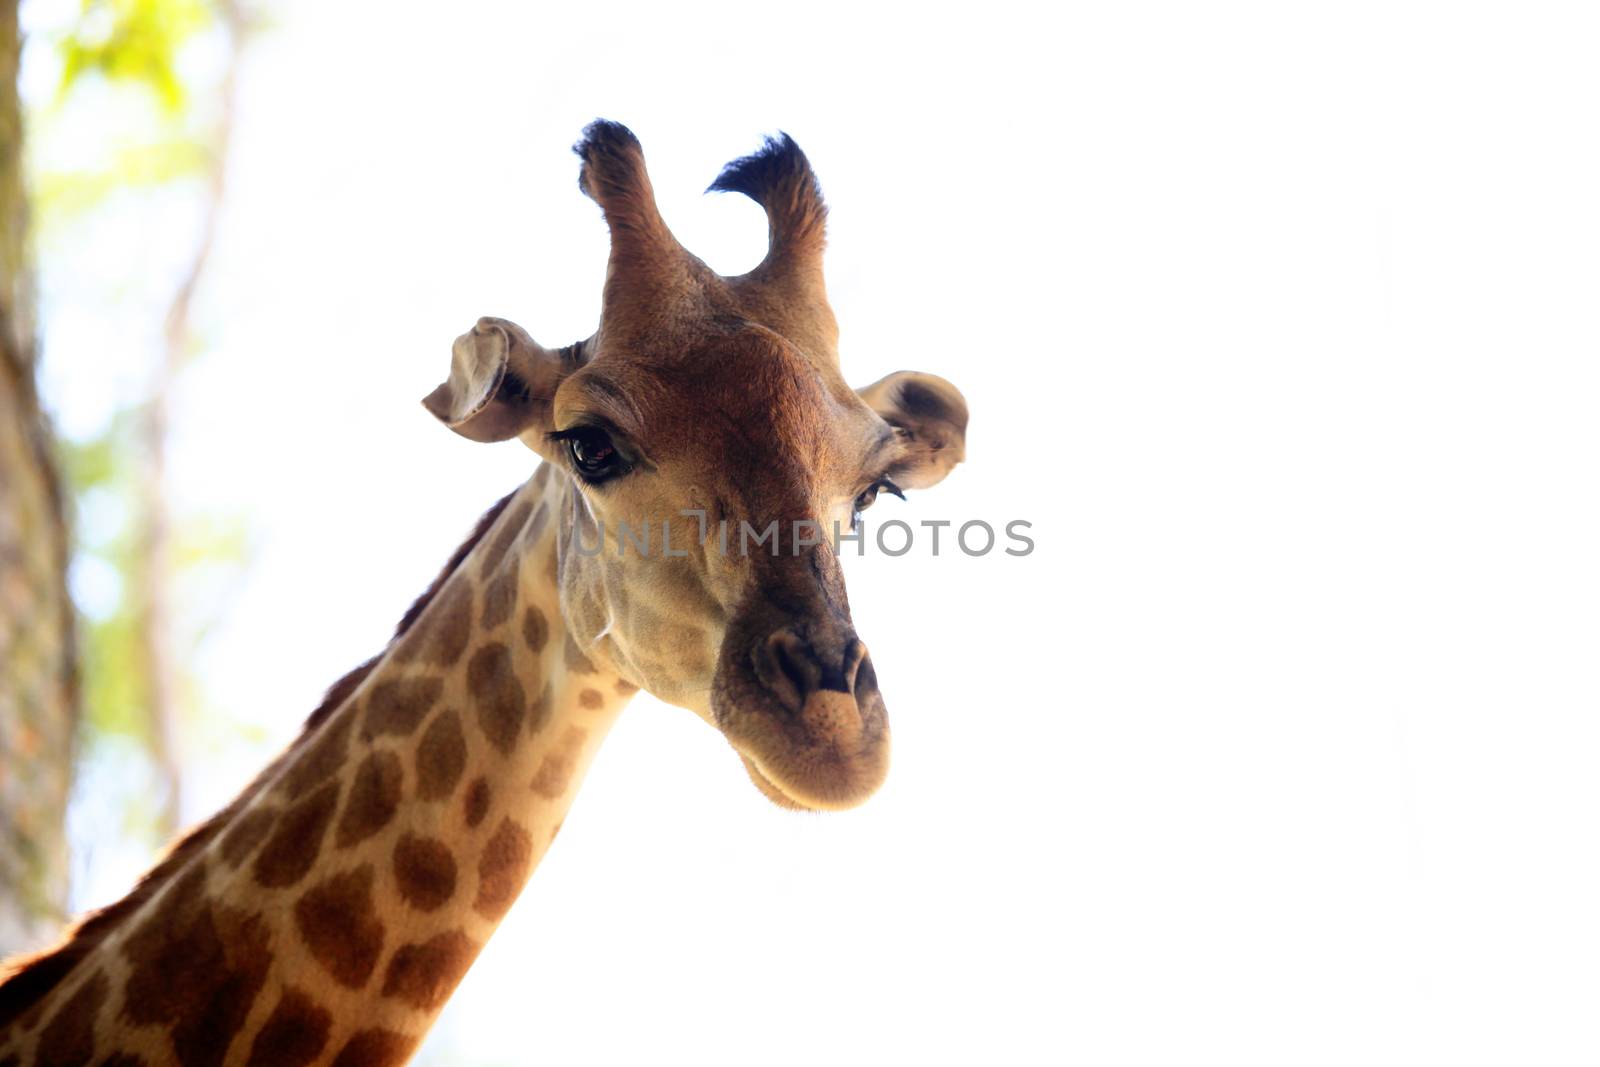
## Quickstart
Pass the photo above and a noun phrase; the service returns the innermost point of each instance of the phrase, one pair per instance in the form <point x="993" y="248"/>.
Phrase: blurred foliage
<point x="59" y="196"/>
<point x="134" y="41"/>
<point x="133" y="47"/>
<point x="100" y="470"/>
<point x="170" y="64"/>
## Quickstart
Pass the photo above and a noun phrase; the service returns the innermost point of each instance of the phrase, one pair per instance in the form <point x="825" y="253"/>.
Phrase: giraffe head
<point x="710" y="412"/>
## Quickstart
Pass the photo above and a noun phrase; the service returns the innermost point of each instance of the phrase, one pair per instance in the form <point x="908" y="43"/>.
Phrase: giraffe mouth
<point x="770" y="790"/>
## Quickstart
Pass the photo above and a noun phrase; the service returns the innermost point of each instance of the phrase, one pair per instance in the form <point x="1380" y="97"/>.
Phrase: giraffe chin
<point x="770" y="791"/>
<point x="809" y="799"/>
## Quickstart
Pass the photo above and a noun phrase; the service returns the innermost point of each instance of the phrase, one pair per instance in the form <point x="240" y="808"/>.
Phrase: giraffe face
<point x="714" y="450"/>
<point x="746" y="457"/>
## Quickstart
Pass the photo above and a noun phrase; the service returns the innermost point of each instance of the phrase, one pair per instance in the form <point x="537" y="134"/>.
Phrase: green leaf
<point x="133" y="41"/>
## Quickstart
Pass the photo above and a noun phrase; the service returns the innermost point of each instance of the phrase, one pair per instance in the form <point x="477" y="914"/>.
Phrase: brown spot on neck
<point x="424" y="975"/>
<point x="497" y="695"/>
<point x="503" y="867"/>
<point x="375" y="1048"/>
<point x="397" y="707"/>
<point x="294" y="1034"/>
<point x="340" y="927"/>
<point x="294" y="844"/>
<point x="424" y="872"/>
<point x="374" y="797"/>
<point x="500" y="596"/>
<point x="441" y="757"/>
<point x="535" y="631"/>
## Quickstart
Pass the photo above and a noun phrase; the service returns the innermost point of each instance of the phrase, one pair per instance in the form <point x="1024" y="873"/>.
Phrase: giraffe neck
<point x="329" y="913"/>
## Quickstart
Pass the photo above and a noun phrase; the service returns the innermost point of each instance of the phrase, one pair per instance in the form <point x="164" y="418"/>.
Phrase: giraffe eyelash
<point x="870" y="496"/>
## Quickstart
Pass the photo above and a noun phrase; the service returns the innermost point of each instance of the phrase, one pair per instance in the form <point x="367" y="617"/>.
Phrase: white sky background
<point x="1277" y="322"/>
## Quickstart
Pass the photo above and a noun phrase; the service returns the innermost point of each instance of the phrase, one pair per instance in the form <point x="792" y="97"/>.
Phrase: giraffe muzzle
<point x="801" y="705"/>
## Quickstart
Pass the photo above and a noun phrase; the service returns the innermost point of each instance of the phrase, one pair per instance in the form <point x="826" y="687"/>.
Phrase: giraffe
<point x="327" y="913"/>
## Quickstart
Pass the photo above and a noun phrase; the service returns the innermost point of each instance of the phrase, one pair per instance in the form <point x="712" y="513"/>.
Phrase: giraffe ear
<point x="931" y="415"/>
<point x="501" y="381"/>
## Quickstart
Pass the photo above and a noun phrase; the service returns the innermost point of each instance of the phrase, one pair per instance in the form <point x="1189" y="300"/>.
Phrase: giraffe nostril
<point x="784" y="666"/>
<point x="791" y="666"/>
<point x="863" y="678"/>
<point x="855" y="654"/>
<point x="842" y="679"/>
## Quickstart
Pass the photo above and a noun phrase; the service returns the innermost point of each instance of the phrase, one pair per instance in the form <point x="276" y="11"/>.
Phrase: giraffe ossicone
<point x="327" y="913"/>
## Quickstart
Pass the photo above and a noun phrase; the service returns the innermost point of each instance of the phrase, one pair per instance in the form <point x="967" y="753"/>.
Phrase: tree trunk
<point x="38" y="688"/>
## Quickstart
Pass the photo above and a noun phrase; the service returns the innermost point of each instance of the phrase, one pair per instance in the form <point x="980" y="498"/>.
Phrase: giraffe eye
<point x="593" y="455"/>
